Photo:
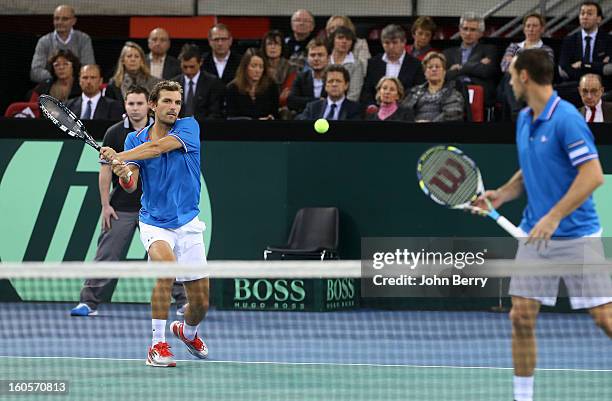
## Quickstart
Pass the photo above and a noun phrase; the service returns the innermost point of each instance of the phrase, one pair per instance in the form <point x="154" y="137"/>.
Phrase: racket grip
<point x="509" y="227"/>
<point x="129" y="174"/>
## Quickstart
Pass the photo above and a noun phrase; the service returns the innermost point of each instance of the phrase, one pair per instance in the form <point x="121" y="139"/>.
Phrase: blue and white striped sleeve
<point x="578" y="141"/>
<point x="187" y="131"/>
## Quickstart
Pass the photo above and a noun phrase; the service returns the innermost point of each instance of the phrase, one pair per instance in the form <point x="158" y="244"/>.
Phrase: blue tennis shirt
<point x="549" y="150"/>
<point x="170" y="182"/>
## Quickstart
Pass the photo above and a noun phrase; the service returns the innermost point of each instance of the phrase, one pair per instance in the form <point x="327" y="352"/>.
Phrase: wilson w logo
<point x="449" y="176"/>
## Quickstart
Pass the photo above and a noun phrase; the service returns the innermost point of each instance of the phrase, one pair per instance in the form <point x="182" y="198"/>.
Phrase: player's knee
<point x="523" y="323"/>
<point x="604" y="322"/>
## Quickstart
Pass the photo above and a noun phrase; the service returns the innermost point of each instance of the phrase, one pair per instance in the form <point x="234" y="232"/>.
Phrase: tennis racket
<point x="450" y="178"/>
<point x="66" y="120"/>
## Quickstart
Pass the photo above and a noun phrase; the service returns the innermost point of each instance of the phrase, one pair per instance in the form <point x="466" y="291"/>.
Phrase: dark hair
<point x="136" y="89"/>
<point x="164" y="86"/>
<point x="275" y="36"/>
<point x="189" y="51"/>
<point x="341" y="31"/>
<point x="68" y="55"/>
<point x="316" y="42"/>
<point x="538" y="65"/>
<point x="336" y="68"/>
<point x="241" y="80"/>
<point x="425" y="23"/>
<point x="594" y="4"/>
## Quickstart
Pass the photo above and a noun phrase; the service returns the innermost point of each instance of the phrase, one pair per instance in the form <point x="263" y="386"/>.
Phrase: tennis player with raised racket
<point x="559" y="170"/>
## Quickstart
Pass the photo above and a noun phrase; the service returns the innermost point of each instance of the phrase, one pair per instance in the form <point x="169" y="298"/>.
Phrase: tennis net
<point x="283" y="331"/>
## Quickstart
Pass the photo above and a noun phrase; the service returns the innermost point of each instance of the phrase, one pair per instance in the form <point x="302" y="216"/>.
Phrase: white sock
<point x="159" y="330"/>
<point x="523" y="388"/>
<point x="190" y="331"/>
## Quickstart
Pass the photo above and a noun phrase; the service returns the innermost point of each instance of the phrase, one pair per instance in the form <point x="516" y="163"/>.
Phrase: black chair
<point x="314" y="234"/>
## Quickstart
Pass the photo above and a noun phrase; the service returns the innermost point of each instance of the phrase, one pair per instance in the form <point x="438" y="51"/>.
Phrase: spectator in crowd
<point x="336" y="106"/>
<point x="389" y="94"/>
<point x="436" y="100"/>
<point x="308" y="85"/>
<point x="91" y="105"/>
<point x="278" y="66"/>
<point x="423" y="30"/>
<point x="64" y="37"/>
<point x="341" y="43"/>
<point x="161" y="64"/>
<point x="203" y="93"/>
<point x="394" y="62"/>
<point x="302" y="26"/>
<point x="252" y="94"/>
<point x="361" y="50"/>
<point x="119" y="211"/>
<point x="594" y="109"/>
<point x="588" y="50"/>
<point x="221" y="62"/>
<point x="473" y="62"/>
<point x="533" y="28"/>
<point x="131" y="71"/>
<point x="63" y="67"/>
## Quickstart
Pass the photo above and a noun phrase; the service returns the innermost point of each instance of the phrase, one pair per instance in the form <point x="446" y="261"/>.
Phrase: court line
<point x="312" y="364"/>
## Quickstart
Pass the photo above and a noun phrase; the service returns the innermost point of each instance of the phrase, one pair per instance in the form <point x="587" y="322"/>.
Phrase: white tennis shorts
<point x="187" y="242"/>
<point x="585" y="290"/>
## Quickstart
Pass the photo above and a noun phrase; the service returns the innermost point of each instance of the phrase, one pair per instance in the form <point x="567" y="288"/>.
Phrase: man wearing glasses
<point x="64" y="37"/>
<point x="594" y="110"/>
<point x="473" y="62"/>
<point x="221" y="61"/>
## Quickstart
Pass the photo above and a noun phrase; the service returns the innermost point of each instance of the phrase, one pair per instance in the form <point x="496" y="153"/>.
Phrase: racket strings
<point x="460" y="188"/>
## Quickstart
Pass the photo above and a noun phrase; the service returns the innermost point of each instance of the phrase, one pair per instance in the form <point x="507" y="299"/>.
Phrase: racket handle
<point x="129" y="174"/>
<point x="509" y="227"/>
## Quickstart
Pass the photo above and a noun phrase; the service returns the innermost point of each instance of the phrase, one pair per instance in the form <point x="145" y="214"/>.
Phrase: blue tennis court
<point x="356" y="355"/>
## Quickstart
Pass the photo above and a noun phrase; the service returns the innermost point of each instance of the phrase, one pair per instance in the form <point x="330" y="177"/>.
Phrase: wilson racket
<point x="450" y="178"/>
<point x="66" y="120"/>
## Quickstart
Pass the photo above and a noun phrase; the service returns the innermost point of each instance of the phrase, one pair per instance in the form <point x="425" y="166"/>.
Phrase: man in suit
<point x="221" y="61"/>
<point x="394" y="62"/>
<point x="202" y="92"/>
<point x="91" y="105"/>
<point x="588" y="50"/>
<point x="473" y="62"/>
<point x="336" y="106"/>
<point x="594" y="110"/>
<point x="163" y="65"/>
<point x="308" y="85"/>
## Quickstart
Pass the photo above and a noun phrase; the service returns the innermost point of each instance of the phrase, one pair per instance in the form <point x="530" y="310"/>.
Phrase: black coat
<point x="209" y="96"/>
<point x="571" y="51"/>
<point x="314" y="110"/>
<point x="208" y="65"/>
<point x="479" y="73"/>
<point x="241" y="105"/>
<point x="410" y="74"/>
<point x="172" y="67"/>
<point x="106" y="109"/>
<point x="302" y="92"/>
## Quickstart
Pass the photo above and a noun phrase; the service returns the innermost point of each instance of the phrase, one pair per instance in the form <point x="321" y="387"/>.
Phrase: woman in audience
<point x="131" y="71"/>
<point x="533" y="28"/>
<point x="252" y="93"/>
<point x="389" y="94"/>
<point x="360" y="48"/>
<point x="64" y="67"/>
<point x="340" y="47"/>
<point x="423" y="30"/>
<point x="278" y="66"/>
<point x="436" y="100"/>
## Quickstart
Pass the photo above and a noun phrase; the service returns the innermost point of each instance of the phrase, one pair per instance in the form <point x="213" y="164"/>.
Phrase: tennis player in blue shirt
<point x="166" y="157"/>
<point x="559" y="170"/>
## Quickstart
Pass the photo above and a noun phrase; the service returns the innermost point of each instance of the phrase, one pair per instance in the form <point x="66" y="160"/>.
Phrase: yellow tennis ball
<point x="321" y="125"/>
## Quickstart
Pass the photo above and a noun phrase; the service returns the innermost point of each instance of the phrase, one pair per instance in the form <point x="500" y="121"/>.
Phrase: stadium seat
<point x="314" y="234"/>
<point x="22" y="110"/>
<point x="476" y="98"/>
